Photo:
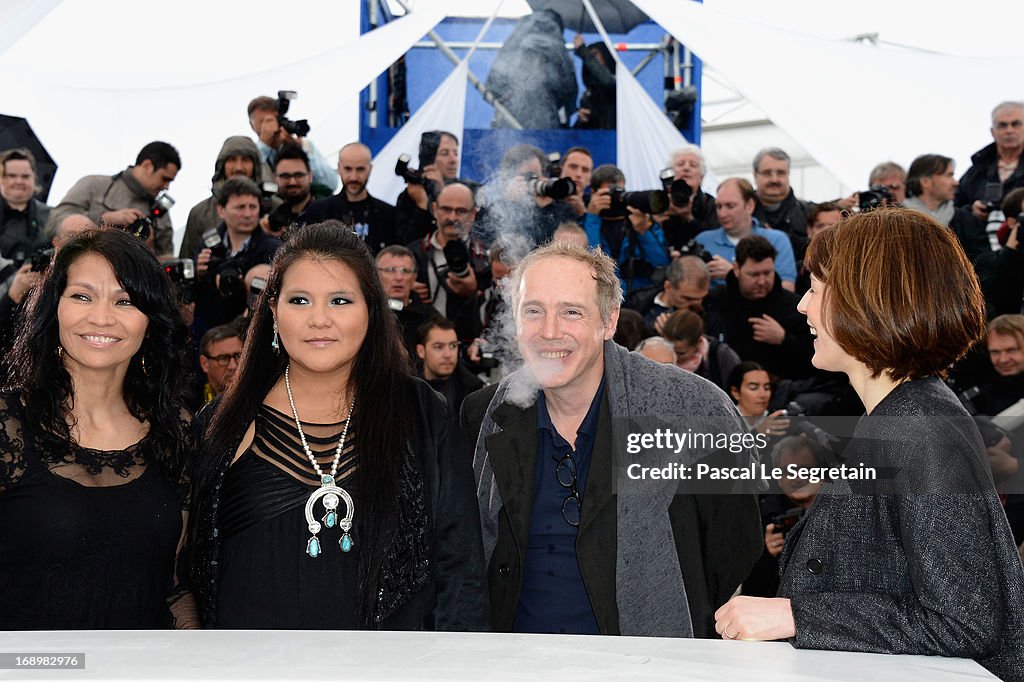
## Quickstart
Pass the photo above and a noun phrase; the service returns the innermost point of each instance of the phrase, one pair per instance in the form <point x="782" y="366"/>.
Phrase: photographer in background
<point x="294" y="187"/>
<point x="238" y="158"/>
<point x="577" y="165"/>
<point x="228" y="253"/>
<point x="396" y="267"/>
<point x="265" y="120"/>
<point x="369" y="217"/>
<point x="451" y="262"/>
<point x="124" y="199"/>
<point x="438" y="351"/>
<point x="1001" y="272"/>
<point x="626" y="233"/>
<point x="523" y="200"/>
<point x="687" y="281"/>
<point x="691" y="210"/>
<point x="438" y="166"/>
<point x="22" y="216"/>
<point x="996" y="169"/>
<point x="931" y="187"/>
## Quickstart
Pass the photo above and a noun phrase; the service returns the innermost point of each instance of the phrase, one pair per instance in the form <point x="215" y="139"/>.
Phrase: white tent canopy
<point x="99" y="79"/>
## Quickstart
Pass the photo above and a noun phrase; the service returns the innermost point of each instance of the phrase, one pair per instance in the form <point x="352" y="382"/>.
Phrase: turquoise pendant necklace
<point x="331" y="493"/>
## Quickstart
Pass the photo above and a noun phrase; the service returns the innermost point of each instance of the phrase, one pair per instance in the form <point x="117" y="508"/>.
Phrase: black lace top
<point x="88" y="538"/>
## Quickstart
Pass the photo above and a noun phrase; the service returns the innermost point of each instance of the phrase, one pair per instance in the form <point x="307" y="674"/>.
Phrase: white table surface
<point x="329" y="656"/>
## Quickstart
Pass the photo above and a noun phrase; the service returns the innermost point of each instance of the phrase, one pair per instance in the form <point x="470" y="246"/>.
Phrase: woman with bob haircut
<point x="330" y="493"/>
<point x="924" y="562"/>
<point x="93" y="446"/>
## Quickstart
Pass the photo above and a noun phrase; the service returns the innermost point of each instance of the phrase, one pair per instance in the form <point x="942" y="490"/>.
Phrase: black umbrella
<point x="618" y="16"/>
<point x="16" y="132"/>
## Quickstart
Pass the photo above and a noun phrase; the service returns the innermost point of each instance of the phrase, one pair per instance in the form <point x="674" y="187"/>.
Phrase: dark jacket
<point x="984" y="169"/>
<point x="456" y="597"/>
<point x="679" y="232"/>
<point x="203" y="215"/>
<point x="21" y="235"/>
<point x="212" y="308"/>
<point x="931" y="569"/>
<point x="1001" y="275"/>
<point x="789" y="217"/>
<point x="599" y="79"/>
<point x="727" y="313"/>
<point x="535" y="48"/>
<point x="380" y="219"/>
<point x="464" y="312"/>
<point x="717" y="537"/>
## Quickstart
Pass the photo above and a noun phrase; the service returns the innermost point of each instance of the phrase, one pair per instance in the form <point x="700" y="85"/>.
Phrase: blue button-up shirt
<point x="717" y="243"/>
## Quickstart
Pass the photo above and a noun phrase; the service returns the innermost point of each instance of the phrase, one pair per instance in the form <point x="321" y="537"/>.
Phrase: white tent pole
<point x="480" y="87"/>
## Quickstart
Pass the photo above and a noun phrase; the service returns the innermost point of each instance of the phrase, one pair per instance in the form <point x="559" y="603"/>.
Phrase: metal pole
<point x="487" y="94"/>
<point x="372" y="100"/>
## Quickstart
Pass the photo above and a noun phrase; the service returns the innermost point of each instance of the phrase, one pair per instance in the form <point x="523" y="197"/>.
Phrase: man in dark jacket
<point x="757" y="317"/>
<point x="238" y="158"/>
<point x="22" y="216"/>
<point x="777" y="206"/>
<point x="532" y="74"/>
<point x="575" y="539"/>
<point x="597" y="105"/>
<point x="997" y="168"/>
<point x="370" y="218"/>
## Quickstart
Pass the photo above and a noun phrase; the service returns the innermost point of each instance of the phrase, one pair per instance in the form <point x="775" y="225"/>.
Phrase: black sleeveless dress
<point x="76" y="556"/>
<point x="267" y="580"/>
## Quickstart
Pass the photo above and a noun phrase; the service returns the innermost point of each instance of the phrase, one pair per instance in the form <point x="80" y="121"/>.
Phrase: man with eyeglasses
<point x="294" y="187"/>
<point x="397" y="269"/>
<point x="997" y="168"/>
<point x="777" y="206"/>
<point x="220" y="350"/>
<point x="451" y="261"/>
<point x="573" y="542"/>
<point x="369" y="217"/>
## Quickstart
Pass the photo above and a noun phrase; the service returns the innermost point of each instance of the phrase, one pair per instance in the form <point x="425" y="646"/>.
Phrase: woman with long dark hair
<point x="906" y="549"/>
<point x="330" y="493"/>
<point x="93" y="443"/>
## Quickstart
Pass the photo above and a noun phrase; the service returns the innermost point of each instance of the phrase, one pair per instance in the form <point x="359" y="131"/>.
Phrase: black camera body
<point x="429" y="143"/>
<point x="41" y="258"/>
<point x="678" y="191"/>
<point x="648" y="201"/>
<point x="142" y="227"/>
<point x="414" y="177"/>
<point x="230" y="270"/>
<point x="695" y="248"/>
<point x="784" y="521"/>
<point x="874" y="197"/>
<point x="559" y="188"/>
<point x="456" y="255"/>
<point x="554" y="169"/>
<point x="298" y="128"/>
<point x="182" y="272"/>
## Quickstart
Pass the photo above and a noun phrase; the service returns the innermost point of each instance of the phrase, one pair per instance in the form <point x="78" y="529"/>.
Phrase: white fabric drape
<point x="849" y="105"/>
<point x="17" y="17"/>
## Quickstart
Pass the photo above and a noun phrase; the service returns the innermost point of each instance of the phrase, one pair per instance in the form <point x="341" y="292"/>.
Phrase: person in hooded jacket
<point x="547" y="97"/>
<point x="597" y="105"/>
<point x="238" y="157"/>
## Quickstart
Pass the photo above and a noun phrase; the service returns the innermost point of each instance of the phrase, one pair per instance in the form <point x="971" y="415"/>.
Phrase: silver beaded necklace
<point x="328" y="490"/>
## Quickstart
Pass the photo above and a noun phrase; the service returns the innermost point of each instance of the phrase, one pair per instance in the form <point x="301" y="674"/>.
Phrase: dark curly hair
<point x="383" y="412"/>
<point x="152" y="392"/>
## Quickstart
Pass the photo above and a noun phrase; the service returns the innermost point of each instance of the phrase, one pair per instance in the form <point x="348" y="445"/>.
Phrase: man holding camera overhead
<point x="451" y="262"/>
<point x="267" y="119"/>
<point x="128" y="198"/>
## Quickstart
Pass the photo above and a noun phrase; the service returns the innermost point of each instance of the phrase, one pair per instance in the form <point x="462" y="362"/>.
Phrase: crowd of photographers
<point x="711" y="282"/>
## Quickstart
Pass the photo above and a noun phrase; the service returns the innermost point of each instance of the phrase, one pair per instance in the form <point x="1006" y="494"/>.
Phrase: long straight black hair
<point x="384" y="407"/>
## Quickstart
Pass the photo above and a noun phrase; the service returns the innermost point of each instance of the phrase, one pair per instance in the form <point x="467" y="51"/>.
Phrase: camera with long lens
<point x="559" y="188"/>
<point x="414" y="177"/>
<point x="652" y="201"/>
<point x="874" y="197"/>
<point x="229" y="270"/>
<point x="141" y="227"/>
<point x="677" y="190"/>
<point x="182" y="272"/>
<point x="298" y="128"/>
<point x="41" y="258"/>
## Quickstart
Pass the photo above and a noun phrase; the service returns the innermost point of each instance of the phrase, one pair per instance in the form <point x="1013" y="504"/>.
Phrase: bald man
<point x="370" y="218"/>
<point x="453" y="294"/>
